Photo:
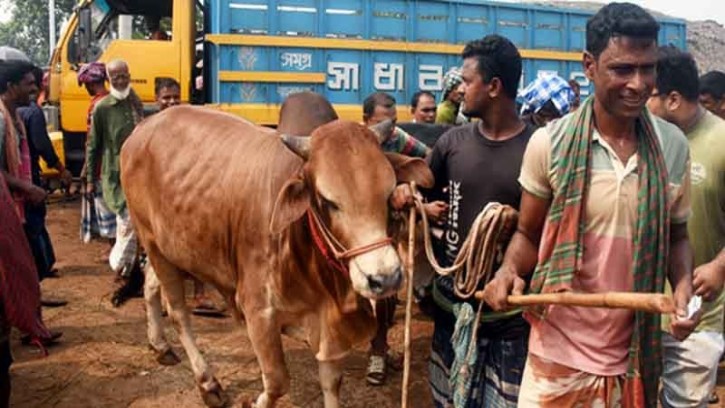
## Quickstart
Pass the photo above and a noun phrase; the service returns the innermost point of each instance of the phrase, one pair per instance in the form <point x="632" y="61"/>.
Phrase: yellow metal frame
<point x="370" y="45"/>
<point x="268" y="114"/>
<point x="272" y="76"/>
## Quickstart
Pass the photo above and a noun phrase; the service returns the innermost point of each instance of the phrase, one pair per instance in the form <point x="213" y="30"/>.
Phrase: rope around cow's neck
<point x="472" y="267"/>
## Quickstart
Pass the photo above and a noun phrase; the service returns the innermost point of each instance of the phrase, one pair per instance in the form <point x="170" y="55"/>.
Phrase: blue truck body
<point x="261" y="50"/>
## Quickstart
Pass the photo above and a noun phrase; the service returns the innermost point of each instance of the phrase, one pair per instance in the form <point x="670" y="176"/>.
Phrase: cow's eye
<point x="329" y="204"/>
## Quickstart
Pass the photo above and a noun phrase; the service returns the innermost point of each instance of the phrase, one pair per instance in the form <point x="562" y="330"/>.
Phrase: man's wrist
<point x="719" y="261"/>
<point x="507" y="270"/>
<point x="684" y="286"/>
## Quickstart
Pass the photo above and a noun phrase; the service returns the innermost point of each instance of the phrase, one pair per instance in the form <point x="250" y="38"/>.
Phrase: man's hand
<point x="65" y="177"/>
<point x="34" y="194"/>
<point x="436" y="211"/>
<point x="680" y="326"/>
<point x="707" y="280"/>
<point x="90" y="190"/>
<point x="402" y="197"/>
<point x="506" y="282"/>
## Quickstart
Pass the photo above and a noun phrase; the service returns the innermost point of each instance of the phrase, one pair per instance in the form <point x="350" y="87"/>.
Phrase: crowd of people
<point x="620" y="191"/>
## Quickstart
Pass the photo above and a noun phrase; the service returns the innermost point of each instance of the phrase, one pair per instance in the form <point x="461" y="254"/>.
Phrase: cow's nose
<point x="381" y="283"/>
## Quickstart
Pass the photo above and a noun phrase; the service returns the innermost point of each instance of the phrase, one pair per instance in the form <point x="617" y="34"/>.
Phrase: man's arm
<point x="521" y="254"/>
<point x="38" y="135"/>
<point x="402" y="196"/>
<point x="680" y="277"/>
<point x="30" y="192"/>
<point x="94" y="146"/>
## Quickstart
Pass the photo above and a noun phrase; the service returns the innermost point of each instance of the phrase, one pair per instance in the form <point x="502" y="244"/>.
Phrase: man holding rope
<point x="605" y="206"/>
<point x="474" y="165"/>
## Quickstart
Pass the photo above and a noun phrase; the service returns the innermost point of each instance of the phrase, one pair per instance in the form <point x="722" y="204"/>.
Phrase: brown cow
<point x="219" y="198"/>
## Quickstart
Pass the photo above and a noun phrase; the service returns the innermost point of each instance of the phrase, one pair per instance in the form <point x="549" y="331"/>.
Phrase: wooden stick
<point x="648" y="302"/>
<point x="408" y="301"/>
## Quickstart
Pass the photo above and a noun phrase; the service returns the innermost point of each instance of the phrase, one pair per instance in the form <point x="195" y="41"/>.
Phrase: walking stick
<point x="648" y="302"/>
<point x="410" y="263"/>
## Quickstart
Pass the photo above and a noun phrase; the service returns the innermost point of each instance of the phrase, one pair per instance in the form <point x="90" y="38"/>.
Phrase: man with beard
<point x="114" y="118"/>
<point x="605" y="204"/>
<point x="473" y="165"/>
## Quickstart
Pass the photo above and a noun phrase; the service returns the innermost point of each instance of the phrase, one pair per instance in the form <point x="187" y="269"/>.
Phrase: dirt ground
<point x="103" y="359"/>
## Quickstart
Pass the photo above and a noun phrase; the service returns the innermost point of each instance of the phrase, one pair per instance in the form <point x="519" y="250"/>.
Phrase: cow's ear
<point x="292" y="202"/>
<point x="409" y="169"/>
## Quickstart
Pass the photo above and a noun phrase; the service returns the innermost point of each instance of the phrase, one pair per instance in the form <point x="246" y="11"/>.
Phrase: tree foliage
<point x="27" y="28"/>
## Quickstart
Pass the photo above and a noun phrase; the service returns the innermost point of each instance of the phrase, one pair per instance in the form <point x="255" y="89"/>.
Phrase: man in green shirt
<point x="447" y="111"/>
<point x="712" y="92"/>
<point x="113" y="120"/>
<point x="690" y="366"/>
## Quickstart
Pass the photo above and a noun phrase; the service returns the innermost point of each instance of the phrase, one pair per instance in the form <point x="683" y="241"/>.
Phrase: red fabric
<point x="19" y="288"/>
<point x="322" y="247"/>
<point x="25" y="173"/>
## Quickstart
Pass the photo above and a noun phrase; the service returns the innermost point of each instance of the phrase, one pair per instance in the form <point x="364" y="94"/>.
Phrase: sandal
<point x="376" y="370"/>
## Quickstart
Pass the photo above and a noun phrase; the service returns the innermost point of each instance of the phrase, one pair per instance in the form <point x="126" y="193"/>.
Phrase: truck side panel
<point x="262" y="50"/>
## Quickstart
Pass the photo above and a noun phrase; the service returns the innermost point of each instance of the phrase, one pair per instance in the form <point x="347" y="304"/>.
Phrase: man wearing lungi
<point x="113" y="120"/>
<point x="605" y="204"/>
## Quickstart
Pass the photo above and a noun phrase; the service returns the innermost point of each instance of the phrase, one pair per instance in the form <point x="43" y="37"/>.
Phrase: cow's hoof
<point x="247" y="403"/>
<point x="213" y="395"/>
<point x="168" y="357"/>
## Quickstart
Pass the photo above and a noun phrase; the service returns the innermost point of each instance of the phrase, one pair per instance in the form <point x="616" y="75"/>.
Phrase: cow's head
<point x="348" y="180"/>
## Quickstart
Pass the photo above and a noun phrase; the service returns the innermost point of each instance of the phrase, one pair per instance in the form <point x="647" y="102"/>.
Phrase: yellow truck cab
<point x="103" y="30"/>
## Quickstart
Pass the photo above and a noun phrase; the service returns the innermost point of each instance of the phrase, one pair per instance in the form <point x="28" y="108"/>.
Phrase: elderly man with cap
<point x="447" y="112"/>
<point x="113" y="119"/>
<point x="96" y="218"/>
<point x="546" y="98"/>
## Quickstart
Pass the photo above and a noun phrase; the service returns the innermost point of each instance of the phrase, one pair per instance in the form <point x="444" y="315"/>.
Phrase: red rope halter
<point x="335" y="252"/>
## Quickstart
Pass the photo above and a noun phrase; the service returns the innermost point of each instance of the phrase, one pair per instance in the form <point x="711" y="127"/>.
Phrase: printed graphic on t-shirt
<point x="452" y="237"/>
<point x="698" y="173"/>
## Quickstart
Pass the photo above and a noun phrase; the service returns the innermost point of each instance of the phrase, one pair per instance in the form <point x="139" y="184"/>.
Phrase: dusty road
<point x="103" y="360"/>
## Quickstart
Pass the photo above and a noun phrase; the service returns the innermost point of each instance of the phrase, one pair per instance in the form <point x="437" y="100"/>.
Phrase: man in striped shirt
<point x="379" y="107"/>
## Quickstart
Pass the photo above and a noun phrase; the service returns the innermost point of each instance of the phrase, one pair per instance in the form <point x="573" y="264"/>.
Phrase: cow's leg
<point x="155" y="329"/>
<point x="172" y="282"/>
<point x="264" y="333"/>
<point x="330" y="381"/>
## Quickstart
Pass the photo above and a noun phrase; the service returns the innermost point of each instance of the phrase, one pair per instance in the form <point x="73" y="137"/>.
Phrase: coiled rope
<point x="472" y="269"/>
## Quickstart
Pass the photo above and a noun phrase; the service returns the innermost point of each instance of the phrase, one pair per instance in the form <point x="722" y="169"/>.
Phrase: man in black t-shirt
<point x="473" y="165"/>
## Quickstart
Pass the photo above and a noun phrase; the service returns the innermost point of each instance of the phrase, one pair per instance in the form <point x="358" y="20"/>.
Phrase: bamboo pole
<point x="410" y="265"/>
<point x="648" y="302"/>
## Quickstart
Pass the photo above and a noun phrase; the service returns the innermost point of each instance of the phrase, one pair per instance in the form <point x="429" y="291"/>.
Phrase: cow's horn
<point x="298" y="144"/>
<point x="383" y="130"/>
